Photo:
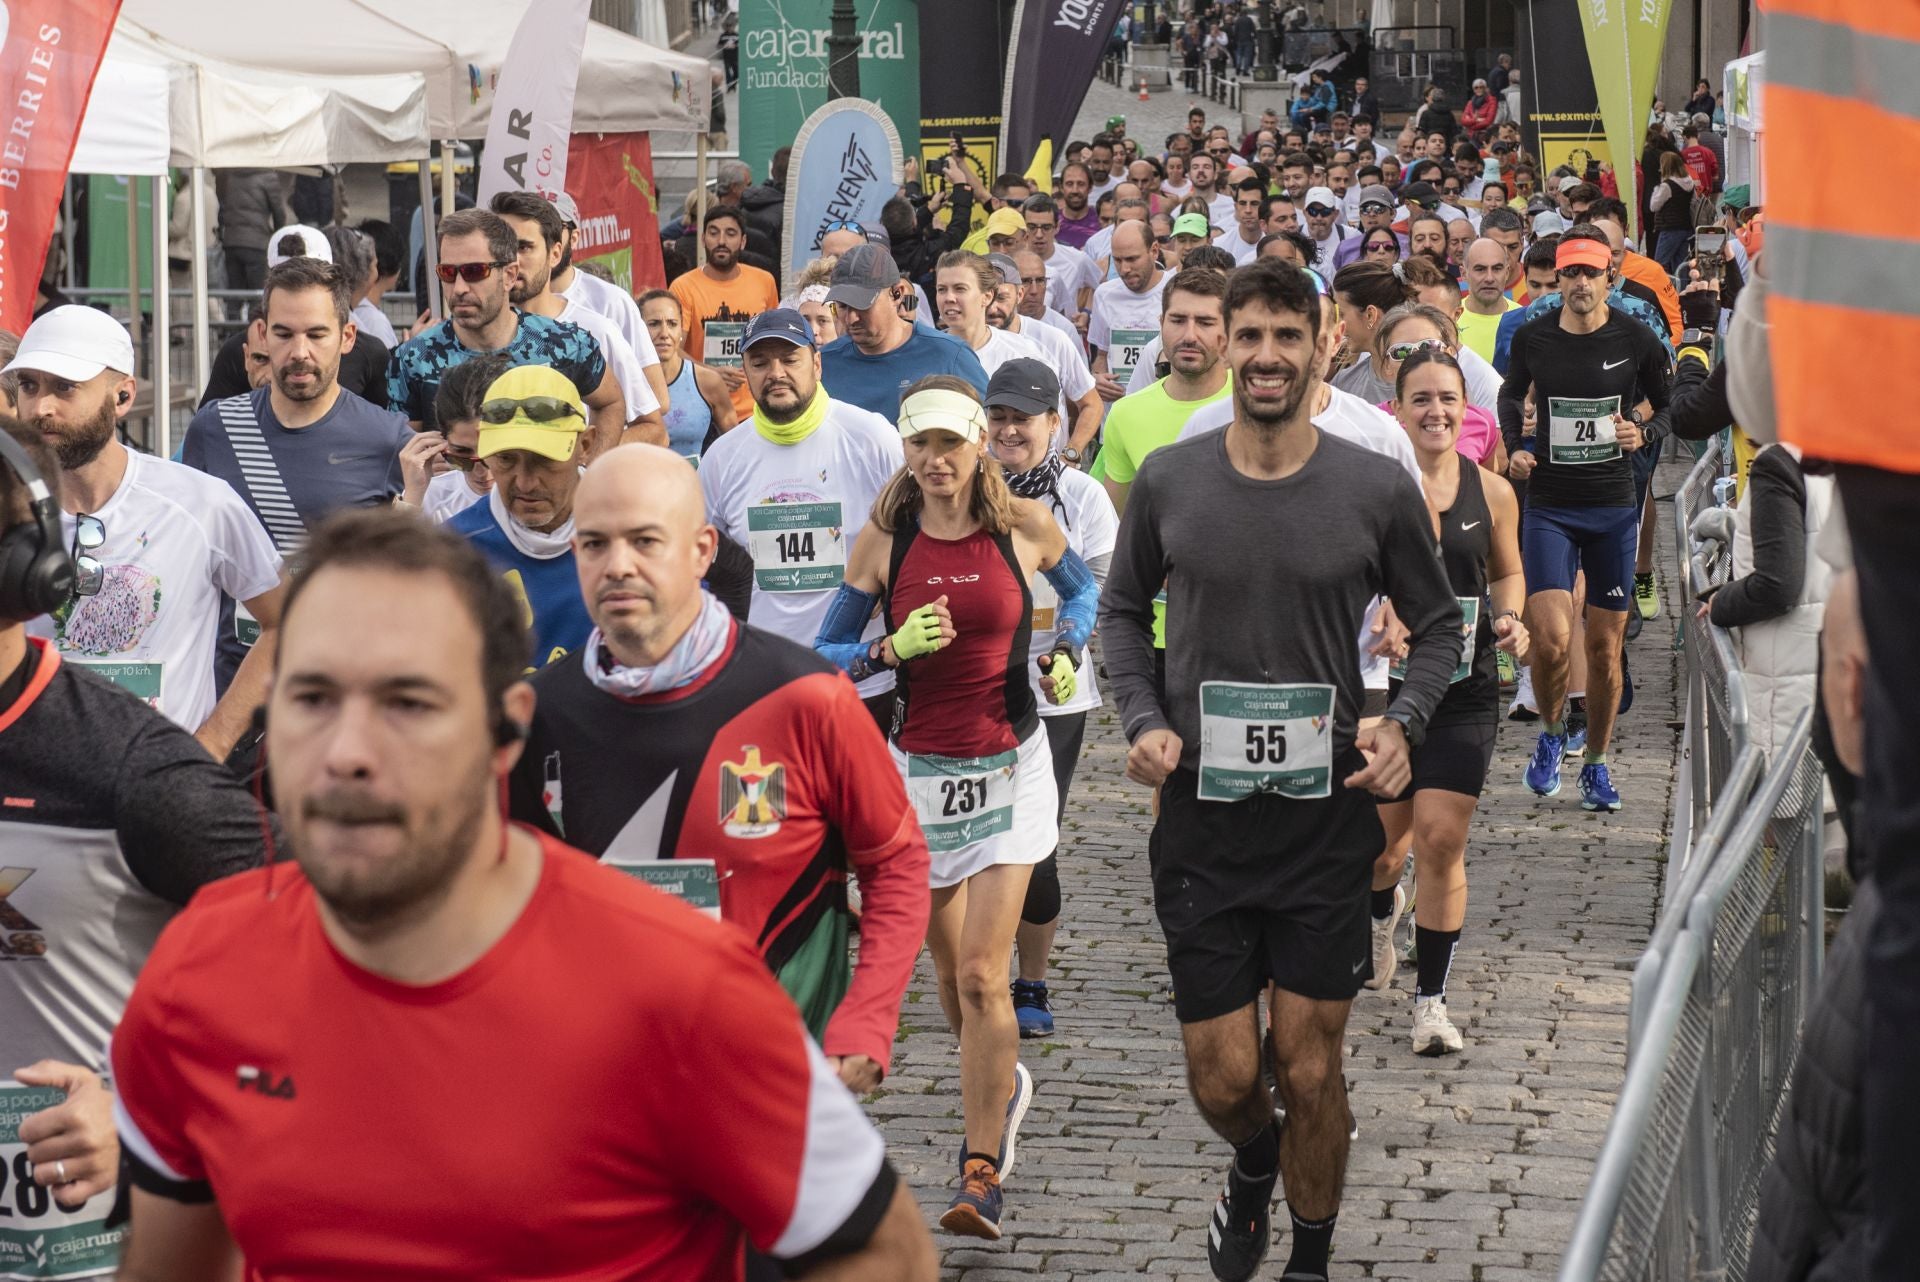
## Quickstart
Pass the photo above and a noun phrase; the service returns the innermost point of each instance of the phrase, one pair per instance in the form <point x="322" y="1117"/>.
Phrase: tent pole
<point x="428" y="240"/>
<point x="700" y="210"/>
<point x="202" y="328"/>
<point x="162" y="328"/>
<point x="447" y="204"/>
<point x="136" y="328"/>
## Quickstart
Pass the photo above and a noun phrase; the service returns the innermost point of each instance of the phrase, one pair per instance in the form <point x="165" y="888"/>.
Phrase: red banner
<point x="610" y="177"/>
<point x="49" y="54"/>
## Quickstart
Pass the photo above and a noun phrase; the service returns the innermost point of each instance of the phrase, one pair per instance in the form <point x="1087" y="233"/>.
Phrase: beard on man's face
<point x="81" y="444"/>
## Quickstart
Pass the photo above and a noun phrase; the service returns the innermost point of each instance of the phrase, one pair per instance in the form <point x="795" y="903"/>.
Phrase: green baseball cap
<point x="1116" y="120"/>
<point x="1193" y="225"/>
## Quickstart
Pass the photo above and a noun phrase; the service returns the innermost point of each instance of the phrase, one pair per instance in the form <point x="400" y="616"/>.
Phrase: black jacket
<point x="916" y="255"/>
<point x="765" y="207"/>
<point x="1812" y="1225"/>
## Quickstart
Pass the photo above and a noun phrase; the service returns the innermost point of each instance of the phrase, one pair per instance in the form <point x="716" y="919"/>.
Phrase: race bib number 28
<point x="39" y="1240"/>
<point x="1265" y="738"/>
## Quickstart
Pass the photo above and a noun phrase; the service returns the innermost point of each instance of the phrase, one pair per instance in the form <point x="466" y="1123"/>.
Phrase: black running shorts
<point x="1264" y="889"/>
<point x="1453" y="758"/>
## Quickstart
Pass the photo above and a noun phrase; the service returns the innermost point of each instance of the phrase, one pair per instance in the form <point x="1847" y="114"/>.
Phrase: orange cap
<point x="1583" y="253"/>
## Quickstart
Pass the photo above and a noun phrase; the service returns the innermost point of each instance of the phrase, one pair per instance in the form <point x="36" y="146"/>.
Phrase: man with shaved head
<point x="1487" y="269"/>
<point x="1125" y="315"/>
<point x="678" y="734"/>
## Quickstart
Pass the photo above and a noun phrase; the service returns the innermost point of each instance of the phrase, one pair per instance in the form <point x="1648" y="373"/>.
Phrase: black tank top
<point x="1466" y="540"/>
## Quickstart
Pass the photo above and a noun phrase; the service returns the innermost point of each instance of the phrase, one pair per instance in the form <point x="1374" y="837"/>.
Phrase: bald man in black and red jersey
<point x="676" y="733"/>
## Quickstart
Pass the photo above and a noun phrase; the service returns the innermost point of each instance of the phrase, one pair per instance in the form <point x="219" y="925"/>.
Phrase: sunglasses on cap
<point x="1401" y="351"/>
<point x="472" y="273"/>
<point x="1582" y="271"/>
<point x="843" y="224"/>
<point x="89" y="532"/>
<point x="541" y="409"/>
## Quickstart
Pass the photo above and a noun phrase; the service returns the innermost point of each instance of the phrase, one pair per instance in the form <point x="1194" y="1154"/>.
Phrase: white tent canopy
<point x="156" y="105"/>
<point x="626" y="85"/>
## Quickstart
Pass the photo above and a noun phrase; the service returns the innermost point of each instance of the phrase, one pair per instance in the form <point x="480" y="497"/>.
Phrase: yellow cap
<point x="555" y="438"/>
<point x="1005" y="222"/>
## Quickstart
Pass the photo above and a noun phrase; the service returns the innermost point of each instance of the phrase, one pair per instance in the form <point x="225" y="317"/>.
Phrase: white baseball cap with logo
<point x="74" y="343"/>
<point x="313" y="240"/>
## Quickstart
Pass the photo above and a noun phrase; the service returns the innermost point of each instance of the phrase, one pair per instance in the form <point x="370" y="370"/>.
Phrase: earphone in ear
<point x="125" y="397"/>
<point x="507" y="731"/>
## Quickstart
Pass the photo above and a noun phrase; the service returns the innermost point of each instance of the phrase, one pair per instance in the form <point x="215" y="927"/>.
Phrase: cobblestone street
<point x="1468" y="1168"/>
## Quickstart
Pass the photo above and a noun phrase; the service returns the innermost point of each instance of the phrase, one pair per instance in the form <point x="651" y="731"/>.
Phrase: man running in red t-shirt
<point x="441" y="1047"/>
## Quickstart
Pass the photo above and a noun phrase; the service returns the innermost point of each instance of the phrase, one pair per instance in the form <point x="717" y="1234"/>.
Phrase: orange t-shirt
<point x="727" y="305"/>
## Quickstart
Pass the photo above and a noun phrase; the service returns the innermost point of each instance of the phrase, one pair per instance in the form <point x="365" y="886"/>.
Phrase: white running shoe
<point x="1386" y="958"/>
<point x="1433" y="1032"/>
<point x="1523" y="707"/>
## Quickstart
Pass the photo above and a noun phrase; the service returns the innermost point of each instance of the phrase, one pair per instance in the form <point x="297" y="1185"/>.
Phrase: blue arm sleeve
<point x="839" y="639"/>
<point x="1079" y="599"/>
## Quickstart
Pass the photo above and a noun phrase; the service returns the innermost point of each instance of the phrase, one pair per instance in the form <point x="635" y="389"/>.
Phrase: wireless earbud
<point x="125" y="397"/>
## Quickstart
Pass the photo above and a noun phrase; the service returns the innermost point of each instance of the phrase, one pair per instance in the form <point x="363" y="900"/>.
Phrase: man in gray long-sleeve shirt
<point x="1271" y="538"/>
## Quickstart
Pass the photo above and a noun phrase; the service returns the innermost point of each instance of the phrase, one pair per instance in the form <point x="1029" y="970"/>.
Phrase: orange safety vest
<point x="1844" y="305"/>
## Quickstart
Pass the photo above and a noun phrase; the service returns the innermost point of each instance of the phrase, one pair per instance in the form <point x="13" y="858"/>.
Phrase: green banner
<point x="783" y="67"/>
<point x="107" y="233"/>
<point x="1624" y="38"/>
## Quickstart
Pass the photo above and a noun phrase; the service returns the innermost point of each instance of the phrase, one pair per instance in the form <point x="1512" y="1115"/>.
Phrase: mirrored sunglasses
<point x="541" y="409"/>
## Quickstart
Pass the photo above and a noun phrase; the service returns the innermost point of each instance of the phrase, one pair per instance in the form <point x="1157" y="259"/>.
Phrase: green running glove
<point x="1059" y="666"/>
<point x="918" y="636"/>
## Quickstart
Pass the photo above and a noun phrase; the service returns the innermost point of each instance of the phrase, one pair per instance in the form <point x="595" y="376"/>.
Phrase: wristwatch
<point x="1071" y="455"/>
<point x="1700" y="338"/>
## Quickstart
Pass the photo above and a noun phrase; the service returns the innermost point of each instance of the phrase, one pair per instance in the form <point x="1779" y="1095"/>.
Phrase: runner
<point x="720" y="297"/>
<point x="1266" y="837"/>
<point x="1588" y="367"/>
<point x="879" y="351"/>
<point x="793" y="489"/>
<point x="1023" y="425"/>
<point x="114" y="817"/>
<point x="1488" y="271"/>
<point x="964" y="285"/>
<point x="1480" y="547"/>
<point x="1070" y="274"/>
<point x="1126" y="311"/>
<point x="168" y="540"/>
<point x="734" y="755"/>
<point x="1193" y="340"/>
<point x="1415" y="327"/>
<point x="463" y="479"/>
<point x="698" y="402"/>
<point x="1061" y="351"/>
<point x="947" y="555"/>
<point x="455" y="944"/>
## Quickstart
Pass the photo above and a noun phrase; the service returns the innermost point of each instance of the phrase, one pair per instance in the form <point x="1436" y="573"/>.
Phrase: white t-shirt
<point x="1092" y="527"/>
<point x="1117" y="308"/>
<point x="617" y="305"/>
<point x="798" y="509"/>
<point x="1099" y="245"/>
<point x="1220" y="210"/>
<point x="625" y="363"/>
<point x="1068" y="272"/>
<point x="1002" y="347"/>
<point x="1063" y="357"/>
<point x="176" y="538"/>
<point x="1483" y="380"/>
<point x="1242" y="250"/>
<point x="1067" y="328"/>
<point x="447" y="496"/>
<point x="1325" y="249"/>
<point x="1178" y="191"/>
<point x="1351" y="419"/>
<point x="372" y="320"/>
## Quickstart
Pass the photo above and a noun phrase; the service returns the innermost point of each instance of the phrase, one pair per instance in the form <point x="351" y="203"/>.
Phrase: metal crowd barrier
<point x="1724" y="987"/>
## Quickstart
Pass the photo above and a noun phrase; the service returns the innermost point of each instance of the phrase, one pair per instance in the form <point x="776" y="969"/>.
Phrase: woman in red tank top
<point x="948" y="555"/>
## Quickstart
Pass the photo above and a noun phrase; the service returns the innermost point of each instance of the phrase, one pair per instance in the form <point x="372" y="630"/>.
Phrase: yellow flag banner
<point x="1624" y="40"/>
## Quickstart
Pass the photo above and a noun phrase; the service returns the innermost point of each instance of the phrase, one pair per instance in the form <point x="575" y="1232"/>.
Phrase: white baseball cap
<point x="569" y="212"/>
<point x="311" y="237"/>
<point x="1322" y="196"/>
<point x="74" y="343"/>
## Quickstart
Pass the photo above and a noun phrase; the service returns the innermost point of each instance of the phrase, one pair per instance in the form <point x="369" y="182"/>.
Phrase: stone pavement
<point x="1468" y="1167"/>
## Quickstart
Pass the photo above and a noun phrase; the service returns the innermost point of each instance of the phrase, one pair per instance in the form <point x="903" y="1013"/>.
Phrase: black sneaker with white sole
<point x="1241" y="1227"/>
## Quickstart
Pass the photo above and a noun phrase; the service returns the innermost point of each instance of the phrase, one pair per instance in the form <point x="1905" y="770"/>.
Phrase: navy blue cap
<point x="782" y="323"/>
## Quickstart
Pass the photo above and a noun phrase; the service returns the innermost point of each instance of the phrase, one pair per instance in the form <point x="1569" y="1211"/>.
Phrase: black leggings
<point x="1065" y="734"/>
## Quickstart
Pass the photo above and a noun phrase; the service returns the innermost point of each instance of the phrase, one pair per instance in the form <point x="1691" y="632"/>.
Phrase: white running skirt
<point x="984" y="811"/>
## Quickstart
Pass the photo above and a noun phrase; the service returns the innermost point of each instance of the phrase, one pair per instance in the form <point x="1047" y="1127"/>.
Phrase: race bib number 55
<point x="1265" y="738"/>
<point x="39" y="1240"/>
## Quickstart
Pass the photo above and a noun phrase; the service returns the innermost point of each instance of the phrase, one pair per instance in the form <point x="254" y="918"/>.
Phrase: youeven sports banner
<point x="49" y="55"/>
<point x="1623" y="48"/>
<point x="610" y="177"/>
<point x="845" y="165"/>
<point x="783" y="66"/>
<point x="1056" y="51"/>
<point x="526" y="148"/>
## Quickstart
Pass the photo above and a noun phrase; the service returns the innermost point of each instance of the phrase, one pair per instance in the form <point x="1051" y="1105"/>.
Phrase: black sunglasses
<point x="541" y="409"/>
<point x="1582" y="271"/>
<point x="89" y="532"/>
<point x="472" y="273"/>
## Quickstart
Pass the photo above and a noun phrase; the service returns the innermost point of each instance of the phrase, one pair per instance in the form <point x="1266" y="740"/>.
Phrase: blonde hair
<point x="817" y="272"/>
<point x="989" y="502"/>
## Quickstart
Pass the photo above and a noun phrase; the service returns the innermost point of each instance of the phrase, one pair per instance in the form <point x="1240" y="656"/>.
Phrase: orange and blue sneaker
<point x="975" y="1209"/>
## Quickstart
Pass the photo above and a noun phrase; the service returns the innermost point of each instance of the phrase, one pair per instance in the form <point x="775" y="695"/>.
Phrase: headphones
<point x="36" y="571"/>
<point x="507" y="731"/>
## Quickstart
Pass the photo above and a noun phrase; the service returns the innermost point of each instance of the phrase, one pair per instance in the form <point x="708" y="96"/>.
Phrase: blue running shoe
<point x="1017" y="1105"/>
<point x="975" y="1209"/>
<point x="1543" y="772"/>
<point x="1030" y="1008"/>
<point x="1596" y="788"/>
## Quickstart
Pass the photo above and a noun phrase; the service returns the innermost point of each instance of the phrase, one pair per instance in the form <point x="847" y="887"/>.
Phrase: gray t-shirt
<point x="1268" y="582"/>
<point x="350" y="458"/>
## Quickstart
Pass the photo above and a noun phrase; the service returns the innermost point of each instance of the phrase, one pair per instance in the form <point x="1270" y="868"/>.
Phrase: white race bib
<point x="961" y="800"/>
<point x="721" y="343"/>
<point x="797" y="547"/>
<point x="1265" y="738"/>
<point x="38" y="1240"/>
<point x="1123" y="357"/>
<point x="1582" y="431"/>
<point x="1469" y="626"/>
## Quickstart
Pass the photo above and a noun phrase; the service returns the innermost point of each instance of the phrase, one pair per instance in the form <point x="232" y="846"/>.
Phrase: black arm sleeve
<point x="1777" y="513"/>
<point x="1134" y="578"/>
<point x="182" y="819"/>
<point x="1416" y="583"/>
<point x="1512" y="403"/>
<point x="731" y="577"/>
<point x="1699" y="407"/>
<point x="1656" y="380"/>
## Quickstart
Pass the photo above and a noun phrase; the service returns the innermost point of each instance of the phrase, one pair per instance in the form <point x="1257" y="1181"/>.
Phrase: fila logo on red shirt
<point x="249" y="1078"/>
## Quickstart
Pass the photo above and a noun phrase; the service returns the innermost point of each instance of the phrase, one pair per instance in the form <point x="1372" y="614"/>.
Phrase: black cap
<point x="1026" y="385"/>
<point x="1422" y="194"/>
